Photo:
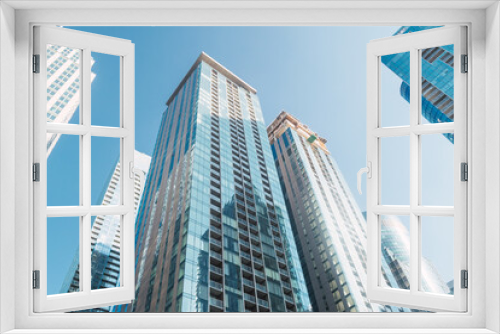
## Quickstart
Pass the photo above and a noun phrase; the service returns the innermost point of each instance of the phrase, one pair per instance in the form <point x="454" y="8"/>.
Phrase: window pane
<point x="437" y="85"/>
<point x="106" y="239"/>
<point x="63" y="254"/>
<point x="63" y="172"/>
<point x="395" y="247"/>
<point x="437" y="169"/>
<point x="105" y="90"/>
<point x="437" y="254"/>
<point x="395" y="170"/>
<point x="106" y="184"/>
<point x="395" y="89"/>
<point x="63" y="84"/>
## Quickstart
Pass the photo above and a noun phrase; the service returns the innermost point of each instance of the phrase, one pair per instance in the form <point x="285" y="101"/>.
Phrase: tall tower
<point x="395" y="244"/>
<point x="105" y="265"/>
<point x="437" y="78"/>
<point x="329" y="227"/>
<point x="213" y="233"/>
<point x="63" y="87"/>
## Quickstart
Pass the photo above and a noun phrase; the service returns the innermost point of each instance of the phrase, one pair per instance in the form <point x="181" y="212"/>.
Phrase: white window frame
<point x="414" y="43"/>
<point x="484" y="213"/>
<point x="85" y="43"/>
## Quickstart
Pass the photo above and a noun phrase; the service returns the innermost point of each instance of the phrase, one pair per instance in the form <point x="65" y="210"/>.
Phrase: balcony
<point x="215" y="220"/>
<point x="284" y="274"/>
<point x="258" y="263"/>
<point x="263" y="305"/>
<point x="215" y="273"/>
<point x="280" y="250"/>
<point x="260" y="275"/>
<point x="289" y="300"/>
<point x="246" y="268"/>
<point x="215" y="258"/>
<point x="244" y="234"/>
<point x="245" y="245"/>
<point x="255" y="239"/>
<point x="261" y="288"/>
<point x="242" y="224"/>
<point x="287" y="287"/>
<point x="246" y="256"/>
<point x="215" y="232"/>
<point x="215" y="245"/>
<point x="256" y="252"/>
<point x="215" y="210"/>
<point x="248" y="285"/>
<point x="216" y="305"/>
<point x="216" y="288"/>
<point x="249" y="299"/>
<point x="254" y="230"/>
<point x="281" y="262"/>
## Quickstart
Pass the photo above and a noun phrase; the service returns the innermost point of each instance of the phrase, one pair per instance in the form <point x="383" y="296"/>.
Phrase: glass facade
<point x="437" y="78"/>
<point x="212" y="231"/>
<point x="106" y="236"/>
<point x="329" y="227"/>
<point x="396" y="251"/>
<point x="63" y="87"/>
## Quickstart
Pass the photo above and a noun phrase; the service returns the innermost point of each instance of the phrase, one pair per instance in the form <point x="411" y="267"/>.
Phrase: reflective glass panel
<point x="63" y="172"/>
<point x="395" y="89"/>
<point x="437" y="254"/>
<point x="63" y="255"/>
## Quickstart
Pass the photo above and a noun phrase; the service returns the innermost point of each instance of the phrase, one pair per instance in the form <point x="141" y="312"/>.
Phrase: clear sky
<point x="317" y="74"/>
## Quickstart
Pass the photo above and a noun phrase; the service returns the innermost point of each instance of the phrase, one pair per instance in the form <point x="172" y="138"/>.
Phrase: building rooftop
<point x="203" y="57"/>
<point x="285" y="121"/>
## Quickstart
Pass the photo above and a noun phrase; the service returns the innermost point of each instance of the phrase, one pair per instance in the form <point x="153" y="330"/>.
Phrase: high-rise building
<point x="437" y="78"/>
<point x="105" y="260"/>
<point x="395" y="244"/>
<point x="212" y="231"/>
<point x="63" y="87"/>
<point x="329" y="227"/>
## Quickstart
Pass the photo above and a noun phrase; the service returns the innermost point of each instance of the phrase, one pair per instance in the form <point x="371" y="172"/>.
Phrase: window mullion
<point x="85" y="178"/>
<point x="414" y="170"/>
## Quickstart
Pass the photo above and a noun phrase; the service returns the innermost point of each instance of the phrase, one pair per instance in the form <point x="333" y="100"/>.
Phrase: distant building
<point x="212" y="232"/>
<point x="396" y="250"/>
<point x="105" y="236"/>
<point x="63" y="87"/>
<point x="329" y="227"/>
<point x="437" y="78"/>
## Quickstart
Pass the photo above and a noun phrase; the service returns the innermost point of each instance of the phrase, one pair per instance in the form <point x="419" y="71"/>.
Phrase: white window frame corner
<point x="484" y="104"/>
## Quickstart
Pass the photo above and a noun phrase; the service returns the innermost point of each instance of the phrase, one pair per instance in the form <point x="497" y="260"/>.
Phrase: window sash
<point x="86" y="297"/>
<point x="413" y="43"/>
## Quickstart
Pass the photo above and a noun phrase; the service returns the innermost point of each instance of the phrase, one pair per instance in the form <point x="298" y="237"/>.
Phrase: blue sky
<point x="318" y="74"/>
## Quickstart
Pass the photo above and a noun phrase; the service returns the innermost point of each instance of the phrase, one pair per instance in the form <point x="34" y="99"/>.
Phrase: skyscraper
<point x="395" y="243"/>
<point x="437" y="78"/>
<point x="329" y="227"/>
<point x="63" y="87"/>
<point x="105" y="267"/>
<point x="212" y="232"/>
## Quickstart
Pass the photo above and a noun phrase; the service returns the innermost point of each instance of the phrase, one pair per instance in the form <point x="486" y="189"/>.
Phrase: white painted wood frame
<point x="414" y="43"/>
<point x="86" y="43"/>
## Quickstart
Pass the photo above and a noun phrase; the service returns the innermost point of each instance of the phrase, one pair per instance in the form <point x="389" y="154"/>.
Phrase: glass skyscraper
<point x="63" y="87"/>
<point x="212" y="231"/>
<point x="437" y="78"/>
<point x="329" y="227"/>
<point x="106" y="236"/>
<point x="395" y="243"/>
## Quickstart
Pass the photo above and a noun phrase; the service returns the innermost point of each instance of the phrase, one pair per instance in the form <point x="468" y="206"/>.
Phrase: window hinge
<point x="36" y="63"/>
<point x="36" y="279"/>
<point x="36" y="172"/>
<point x="465" y="279"/>
<point x="464" y="171"/>
<point x="465" y="64"/>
